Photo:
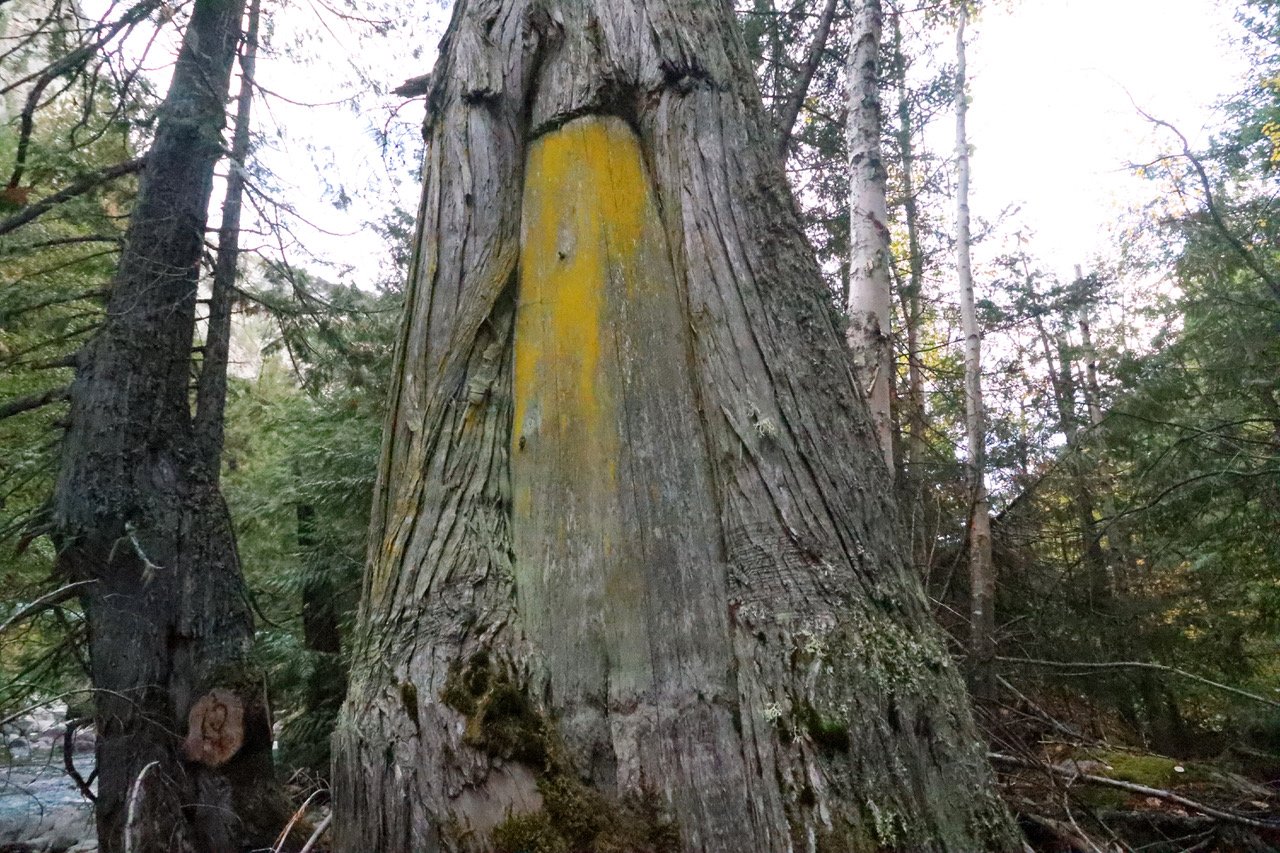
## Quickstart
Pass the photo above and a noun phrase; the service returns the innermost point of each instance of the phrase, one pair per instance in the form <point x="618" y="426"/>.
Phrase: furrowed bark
<point x="136" y="510"/>
<point x="633" y="542"/>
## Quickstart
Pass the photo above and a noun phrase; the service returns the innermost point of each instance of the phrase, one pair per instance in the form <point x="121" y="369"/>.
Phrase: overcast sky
<point x="1051" y="122"/>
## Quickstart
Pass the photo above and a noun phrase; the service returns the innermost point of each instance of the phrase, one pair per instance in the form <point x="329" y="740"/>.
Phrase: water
<point x="41" y="807"/>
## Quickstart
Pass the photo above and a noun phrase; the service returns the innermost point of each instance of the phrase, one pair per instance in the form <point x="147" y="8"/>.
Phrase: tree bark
<point x="137" y="511"/>
<point x="982" y="580"/>
<point x="634" y="577"/>
<point x="869" y="299"/>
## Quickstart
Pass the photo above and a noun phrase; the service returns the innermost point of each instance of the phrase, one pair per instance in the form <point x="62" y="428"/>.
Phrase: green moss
<point x="578" y="812"/>
<point x="501" y="719"/>
<point x="576" y="817"/>
<point x="466" y="684"/>
<point x="409" y="698"/>
<point x="1154" y="771"/>
<point x="845" y="838"/>
<point x="528" y="833"/>
<point x="505" y="724"/>
<point x="1098" y="797"/>
<point x="829" y="735"/>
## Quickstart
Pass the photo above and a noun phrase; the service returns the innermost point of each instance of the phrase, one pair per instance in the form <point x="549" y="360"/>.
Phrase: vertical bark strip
<point x="982" y="581"/>
<point x="869" y="299"/>
<point x="137" y="511"/>
<point x="633" y="537"/>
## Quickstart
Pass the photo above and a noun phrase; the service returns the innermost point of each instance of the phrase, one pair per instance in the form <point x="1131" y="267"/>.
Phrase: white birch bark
<point x="869" y="305"/>
<point x="981" y="569"/>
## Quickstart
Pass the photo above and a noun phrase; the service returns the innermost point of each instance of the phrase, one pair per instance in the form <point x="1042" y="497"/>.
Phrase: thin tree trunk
<point x="869" y="305"/>
<point x="982" y="581"/>
<point x="634" y="577"/>
<point x="1093" y="396"/>
<point x="136" y="510"/>
<point x="211" y="392"/>
<point x="791" y="110"/>
<point x="913" y="445"/>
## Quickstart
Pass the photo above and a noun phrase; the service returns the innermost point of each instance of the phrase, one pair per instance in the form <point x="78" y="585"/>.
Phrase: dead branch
<point x="1154" y="667"/>
<point x="33" y="401"/>
<point x="44" y="602"/>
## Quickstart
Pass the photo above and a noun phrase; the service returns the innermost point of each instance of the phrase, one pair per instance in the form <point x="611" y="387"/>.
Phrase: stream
<point x="41" y="809"/>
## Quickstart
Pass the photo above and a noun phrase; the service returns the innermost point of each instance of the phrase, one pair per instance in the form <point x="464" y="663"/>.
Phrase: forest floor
<point x="1089" y="788"/>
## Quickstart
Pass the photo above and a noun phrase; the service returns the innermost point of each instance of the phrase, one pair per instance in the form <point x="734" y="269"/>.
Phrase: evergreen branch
<point x="44" y="602"/>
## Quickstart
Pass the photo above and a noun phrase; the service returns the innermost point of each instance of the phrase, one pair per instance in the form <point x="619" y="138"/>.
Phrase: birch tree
<point x="982" y="582"/>
<point x="869" y="297"/>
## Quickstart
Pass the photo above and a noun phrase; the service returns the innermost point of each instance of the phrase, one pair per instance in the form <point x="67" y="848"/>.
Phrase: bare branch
<point x="44" y="602"/>
<point x="78" y="187"/>
<point x="1155" y="667"/>
<point x="1134" y="788"/>
<point x="33" y="401"/>
<point x="1250" y="259"/>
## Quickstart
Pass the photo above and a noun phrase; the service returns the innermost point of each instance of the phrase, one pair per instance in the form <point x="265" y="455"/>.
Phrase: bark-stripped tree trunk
<point x="982" y="575"/>
<point x="138" y="511"/>
<point x="869" y="298"/>
<point x="635" y="580"/>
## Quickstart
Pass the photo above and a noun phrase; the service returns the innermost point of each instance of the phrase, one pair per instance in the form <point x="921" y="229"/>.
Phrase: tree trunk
<point x="868" y="226"/>
<point x="982" y="579"/>
<point x="138" y="511"/>
<point x="634" y="580"/>
<point x="211" y="391"/>
<point x="915" y="445"/>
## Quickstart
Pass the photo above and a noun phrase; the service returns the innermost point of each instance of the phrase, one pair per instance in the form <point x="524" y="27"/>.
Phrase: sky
<point x="1053" y="123"/>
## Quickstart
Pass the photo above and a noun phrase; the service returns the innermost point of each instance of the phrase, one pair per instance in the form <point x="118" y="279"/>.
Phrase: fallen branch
<point x="315" y="836"/>
<point x="1155" y="667"/>
<point x="1134" y="788"/>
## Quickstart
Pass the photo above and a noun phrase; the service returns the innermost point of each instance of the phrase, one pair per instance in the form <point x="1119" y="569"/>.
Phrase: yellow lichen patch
<point x="584" y="205"/>
<point x="598" y="321"/>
